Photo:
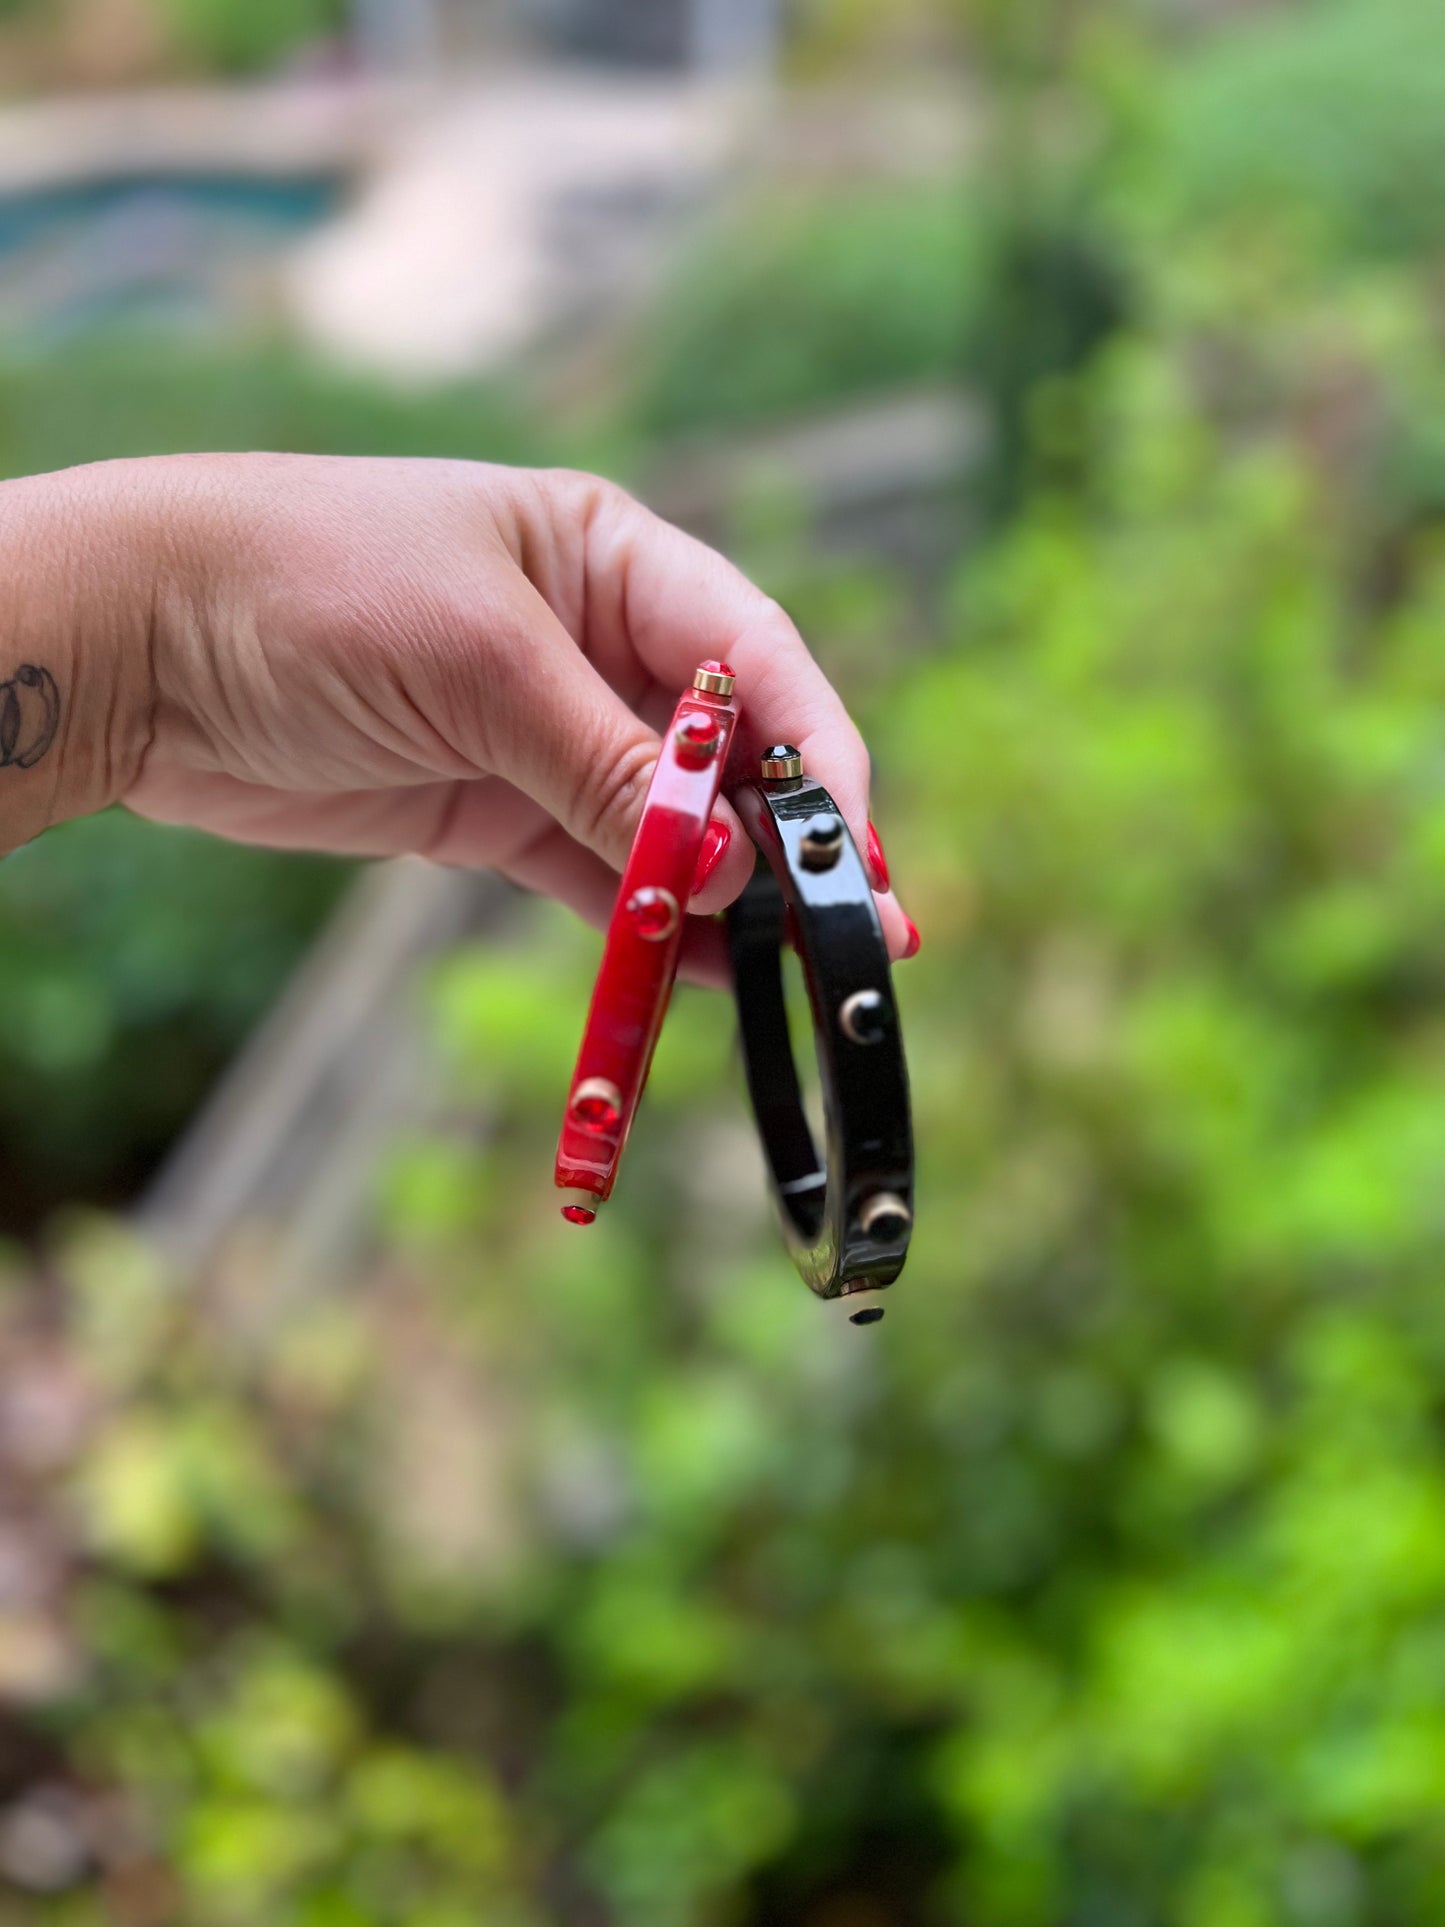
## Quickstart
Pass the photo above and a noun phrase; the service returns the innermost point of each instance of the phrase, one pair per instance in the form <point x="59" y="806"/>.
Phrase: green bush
<point x="129" y="395"/>
<point x="133" y="960"/>
<point x="809" y="300"/>
<point x="1329" y="112"/>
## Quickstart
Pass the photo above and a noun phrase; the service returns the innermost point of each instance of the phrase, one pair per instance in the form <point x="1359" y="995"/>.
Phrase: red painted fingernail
<point x="877" y="862"/>
<point x="914" y="939"/>
<point x="715" y="841"/>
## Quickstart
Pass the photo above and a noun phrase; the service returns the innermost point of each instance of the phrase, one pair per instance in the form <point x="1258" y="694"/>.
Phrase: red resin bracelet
<point x="644" y="939"/>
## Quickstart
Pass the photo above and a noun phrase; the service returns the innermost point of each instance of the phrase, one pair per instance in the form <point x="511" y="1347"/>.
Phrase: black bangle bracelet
<point x="846" y="1222"/>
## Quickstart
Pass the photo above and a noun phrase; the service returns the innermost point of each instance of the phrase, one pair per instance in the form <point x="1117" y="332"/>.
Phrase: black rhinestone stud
<point x="822" y="842"/>
<point x="884" y="1217"/>
<point x="862" y="1306"/>
<point x="863" y="1017"/>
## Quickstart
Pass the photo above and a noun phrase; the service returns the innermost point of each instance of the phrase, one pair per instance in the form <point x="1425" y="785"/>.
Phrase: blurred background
<point x="375" y="1549"/>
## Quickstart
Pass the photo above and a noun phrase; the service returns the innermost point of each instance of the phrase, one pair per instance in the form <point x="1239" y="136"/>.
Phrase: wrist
<point x="76" y="561"/>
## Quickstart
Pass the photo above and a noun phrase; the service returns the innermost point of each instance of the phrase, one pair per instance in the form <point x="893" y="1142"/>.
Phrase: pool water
<point x="193" y="251"/>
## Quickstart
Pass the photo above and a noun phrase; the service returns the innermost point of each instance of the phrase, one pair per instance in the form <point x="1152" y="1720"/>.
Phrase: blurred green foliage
<point x="221" y="37"/>
<point x="136" y="395"/>
<point x="1331" y="113"/>
<point x="812" y="298"/>
<point x="594" y="1578"/>
<point x="132" y="962"/>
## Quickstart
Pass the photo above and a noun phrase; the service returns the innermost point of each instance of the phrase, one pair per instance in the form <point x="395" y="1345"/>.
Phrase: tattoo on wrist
<point x="29" y="716"/>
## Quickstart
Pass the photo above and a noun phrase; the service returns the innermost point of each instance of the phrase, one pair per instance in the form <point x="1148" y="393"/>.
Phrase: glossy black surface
<point x="839" y="939"/>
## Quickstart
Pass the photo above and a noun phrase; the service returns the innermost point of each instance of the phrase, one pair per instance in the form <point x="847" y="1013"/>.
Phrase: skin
<point x="467" y="662"/>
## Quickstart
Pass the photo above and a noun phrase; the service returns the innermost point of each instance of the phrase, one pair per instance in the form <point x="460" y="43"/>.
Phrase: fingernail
<point x="877" y="862"/>
<point x="911" y="948"/>
<point x="715" y="841"/>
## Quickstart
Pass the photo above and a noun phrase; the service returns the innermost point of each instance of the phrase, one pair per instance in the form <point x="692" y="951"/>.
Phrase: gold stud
<point x="780" y="764"/>
<point x="713" y="679"/>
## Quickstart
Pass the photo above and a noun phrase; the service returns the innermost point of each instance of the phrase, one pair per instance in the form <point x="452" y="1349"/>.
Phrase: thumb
<point x="568" y="740"/>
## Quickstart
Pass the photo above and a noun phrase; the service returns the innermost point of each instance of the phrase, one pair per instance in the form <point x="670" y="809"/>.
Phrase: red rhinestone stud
<point x="697" y="741"/>
<point x="653" y="913"/>
<point x="597" y="1105"/>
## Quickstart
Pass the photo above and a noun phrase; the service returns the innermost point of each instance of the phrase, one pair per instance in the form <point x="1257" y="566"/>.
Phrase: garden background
<point x="523" y="1577"/>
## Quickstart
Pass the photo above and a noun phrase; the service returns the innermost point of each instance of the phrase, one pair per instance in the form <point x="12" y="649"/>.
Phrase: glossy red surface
<point x="714" y="848"/>
<point x="877" y="862"/>
<point x="639" y="962"/>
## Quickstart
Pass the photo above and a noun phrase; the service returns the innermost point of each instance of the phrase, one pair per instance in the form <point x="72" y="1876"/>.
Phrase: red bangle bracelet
<point x="644" y="938"/>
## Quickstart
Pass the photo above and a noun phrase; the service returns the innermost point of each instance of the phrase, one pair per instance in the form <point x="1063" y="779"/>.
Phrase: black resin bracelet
<point x="847" y="1218"/>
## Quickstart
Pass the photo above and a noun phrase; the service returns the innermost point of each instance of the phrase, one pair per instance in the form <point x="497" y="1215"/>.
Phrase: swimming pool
<point x="181" y="250"/>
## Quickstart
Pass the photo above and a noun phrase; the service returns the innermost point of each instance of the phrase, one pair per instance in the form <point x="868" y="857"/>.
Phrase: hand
<point x="463" y="661"/>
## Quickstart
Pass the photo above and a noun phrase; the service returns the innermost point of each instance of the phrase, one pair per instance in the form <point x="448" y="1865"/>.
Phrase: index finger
<point x="660" y="599"/>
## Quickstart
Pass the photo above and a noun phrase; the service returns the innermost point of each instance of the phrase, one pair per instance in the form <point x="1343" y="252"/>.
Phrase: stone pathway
<point x="515" y="206"/>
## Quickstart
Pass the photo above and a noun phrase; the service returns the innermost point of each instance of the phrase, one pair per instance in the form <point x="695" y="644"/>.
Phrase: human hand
<point x="467" y="662"/>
